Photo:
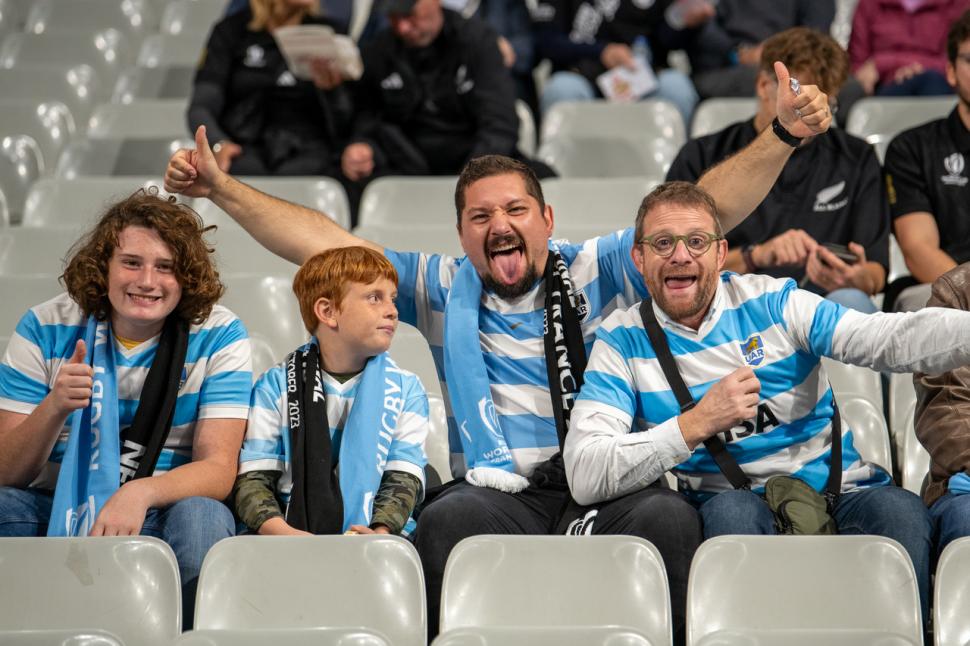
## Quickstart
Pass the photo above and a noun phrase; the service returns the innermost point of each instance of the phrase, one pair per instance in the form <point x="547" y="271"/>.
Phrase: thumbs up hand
<point x="804" y="113"/>
<point x="72" y="386"/>
<point x="193" y="173"/>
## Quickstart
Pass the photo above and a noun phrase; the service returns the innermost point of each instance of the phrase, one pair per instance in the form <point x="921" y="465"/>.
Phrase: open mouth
<point x="142" y="299"/>
<point x="676" y="283"/>
<point x="506" y="256"/>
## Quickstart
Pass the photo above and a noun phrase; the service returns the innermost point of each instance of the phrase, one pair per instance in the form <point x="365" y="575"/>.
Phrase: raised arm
<point x="739" y="183"/>
<point x="289" y="230"/>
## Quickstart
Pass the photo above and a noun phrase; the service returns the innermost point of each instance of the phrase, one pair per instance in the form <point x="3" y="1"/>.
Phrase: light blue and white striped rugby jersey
<point x="267" y="443"/>
<point x="759" y="321"/>
<point x="216" y="380"/>
<point x="604" y="278"/>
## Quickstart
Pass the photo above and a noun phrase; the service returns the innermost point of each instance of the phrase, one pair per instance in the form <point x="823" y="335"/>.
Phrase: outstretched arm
<point x="739" y="183"/>
<point x="289" y="230"/>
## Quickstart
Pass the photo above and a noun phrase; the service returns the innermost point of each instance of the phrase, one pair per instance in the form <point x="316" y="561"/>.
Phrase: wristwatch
<point x="784" y="135"/>
<point x="747" y="254"/>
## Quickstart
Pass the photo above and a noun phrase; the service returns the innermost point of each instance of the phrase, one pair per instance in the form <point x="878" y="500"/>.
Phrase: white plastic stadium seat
<point x="897" y="261"/>
<point x="527" y="129"/>
<point x="403" y="202"/>
<point x="534" y="582"/>
<point x="77" y="204"/>
<point x="716" y="114"/>
<point x="436" y="446"/>
<point x="238" y="253"/>
<point x="138" y="83"/>
<point x="134" y="18"/>
<point x="18" y="294"/>
<point x="323" y="194"/>
<point x="164" y="50"/>
<point x="105" y="51"/>
<point x="914" y="460"/>
<point x="269" y="310"/>
<point x="119" y="156"/>
<point x="586" y="155"/>
<point x="951" y="621"/>
<point x="20" y="165"/>
<point x="643" y="120"/>
<point x="271" y="582"/>
<point x="59" y="638"/>
<point x="49" y="124"/>
<point x="545" y="636"/>
<point x="810" y="590"/>
<point x="145" y="118"/>
<point x="282" y="637"/>
<point x="858" y="392"/>
<point x="879" y="119"/>
<point x="75" y="85"/>
<point x="191" y="17"/>
<point x="608" y="203"/>
<point x="128" y="586"/>
<point x="34" y="252"/>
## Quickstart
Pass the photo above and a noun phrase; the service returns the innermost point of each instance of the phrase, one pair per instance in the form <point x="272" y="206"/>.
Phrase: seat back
<point x="128" y="586"/>
<point x="19" y="293"/>
<point x="632" y="155"/>
<point x="879" y="119"/>
<point x="76" y="204"/>
<point x="556" y="581"/>
<point x="858" y="392"/>
<point x="951" y="621"/>
<point x="171" y="82"/>
<point x="165" y="50"/>
<point x="323" y="194"/>
<point x="913" y="458"/>
<point x="282" y="637"/>
<point x="264" y="582"/>
<point x="527" y="129"/>
<point x="34" y="252"/>
<point x="145" y="118"/>
<point x="716" y="114"/>
<point x="20" y="166"/>
<point x="106" y="51"/>
<point x="403" y="202"/>
<point x="134" y="18"/>
<point x="426" y="239"/>
<point x="196" y="17"/>
<point x="807" y="584"/>
<point x="651" y="119"/>
<point x="609" y="203"/>
<point x="118" y="156"/>
<point x="49" y="123"/>
<point x="76" y="85"/>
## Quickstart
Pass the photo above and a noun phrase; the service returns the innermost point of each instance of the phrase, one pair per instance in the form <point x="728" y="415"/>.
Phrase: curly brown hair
<point x="181" y="228"/>
<point x="802" y="49"/>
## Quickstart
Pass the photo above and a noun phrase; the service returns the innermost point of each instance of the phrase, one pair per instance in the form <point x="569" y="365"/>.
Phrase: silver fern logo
<point x="824" y="198"/>
<point x="954" y="165"/>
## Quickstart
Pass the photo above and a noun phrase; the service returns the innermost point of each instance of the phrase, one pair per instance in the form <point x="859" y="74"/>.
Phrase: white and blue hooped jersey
<point x="215" y="382"/>
<point x="762" y="322"/>
<point x="267" y="443"/>
<point x="510" y="330"/>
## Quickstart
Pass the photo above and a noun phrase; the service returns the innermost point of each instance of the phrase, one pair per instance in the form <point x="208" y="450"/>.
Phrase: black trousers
<point x="659" y="515"/>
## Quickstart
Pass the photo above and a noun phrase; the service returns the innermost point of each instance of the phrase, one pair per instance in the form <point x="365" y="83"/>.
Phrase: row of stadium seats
<point x="508" y="590"/>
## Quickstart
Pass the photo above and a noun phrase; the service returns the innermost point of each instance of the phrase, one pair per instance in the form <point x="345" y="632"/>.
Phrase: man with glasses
<point x="830" y="191"/>
<point x="927" y="178"/>
<point x="748" y="348"/>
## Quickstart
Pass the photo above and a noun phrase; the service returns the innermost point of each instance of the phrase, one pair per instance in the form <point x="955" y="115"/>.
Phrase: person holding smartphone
<point x="825" y="222"/>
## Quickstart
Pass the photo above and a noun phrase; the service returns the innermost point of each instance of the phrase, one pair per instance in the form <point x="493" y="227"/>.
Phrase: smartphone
<point x="841" y="252"/>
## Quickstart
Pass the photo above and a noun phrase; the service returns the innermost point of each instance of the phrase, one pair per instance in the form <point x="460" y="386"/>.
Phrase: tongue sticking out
<point x="674" y="282"/>
<point x="507" y="266"/>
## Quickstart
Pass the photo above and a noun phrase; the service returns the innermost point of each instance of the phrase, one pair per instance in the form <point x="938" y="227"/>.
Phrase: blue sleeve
<point x="266" y="428"/>
<point x="229" y="367"/>
<point x="616" y="268"/>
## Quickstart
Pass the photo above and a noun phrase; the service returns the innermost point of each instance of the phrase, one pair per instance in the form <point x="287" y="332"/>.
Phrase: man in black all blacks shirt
<point x="927" y="177"/>
<point x="830" y="191"/>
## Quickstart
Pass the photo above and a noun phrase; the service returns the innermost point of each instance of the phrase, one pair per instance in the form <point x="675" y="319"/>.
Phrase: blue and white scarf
<point x="959" y="484"/>
<point x="483" y="441"/>
<point x="89" y="473"/>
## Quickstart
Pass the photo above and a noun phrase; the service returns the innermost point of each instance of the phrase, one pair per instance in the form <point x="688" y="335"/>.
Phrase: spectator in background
<point x="138" y="360"/>
<point x="927" y="177"/>
<point x="584" y="39"/>
<point x="897" y="47"/>
<point x="830" y="191"/>
<point x="264" y="120"/>
<point x="434" y="94"/>
<point x="725" y="54"/>
<point x="511" y="20"/>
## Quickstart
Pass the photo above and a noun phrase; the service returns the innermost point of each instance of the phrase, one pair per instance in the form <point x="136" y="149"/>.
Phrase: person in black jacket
<point x="266" y="121"/>
<point x="830" y="191"/>
<point x="434" y="94"/>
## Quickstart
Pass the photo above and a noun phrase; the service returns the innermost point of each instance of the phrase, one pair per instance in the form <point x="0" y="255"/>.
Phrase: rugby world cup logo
<point x="753" y="350"/>
<point x="954" y="165"/>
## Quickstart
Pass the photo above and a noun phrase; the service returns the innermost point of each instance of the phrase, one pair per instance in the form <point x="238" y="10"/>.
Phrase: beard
<point x="682" y="310"/>
<point x="523" y="284"/>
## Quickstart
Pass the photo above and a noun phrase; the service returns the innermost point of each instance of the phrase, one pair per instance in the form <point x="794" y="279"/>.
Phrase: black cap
<point x="396" y="6"/>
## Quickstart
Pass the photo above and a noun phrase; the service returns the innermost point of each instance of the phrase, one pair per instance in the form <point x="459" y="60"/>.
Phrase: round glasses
<point x="696" y="242"/>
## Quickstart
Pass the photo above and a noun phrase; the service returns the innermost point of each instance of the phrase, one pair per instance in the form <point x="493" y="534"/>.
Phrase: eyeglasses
<point x="696" y="242"/>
